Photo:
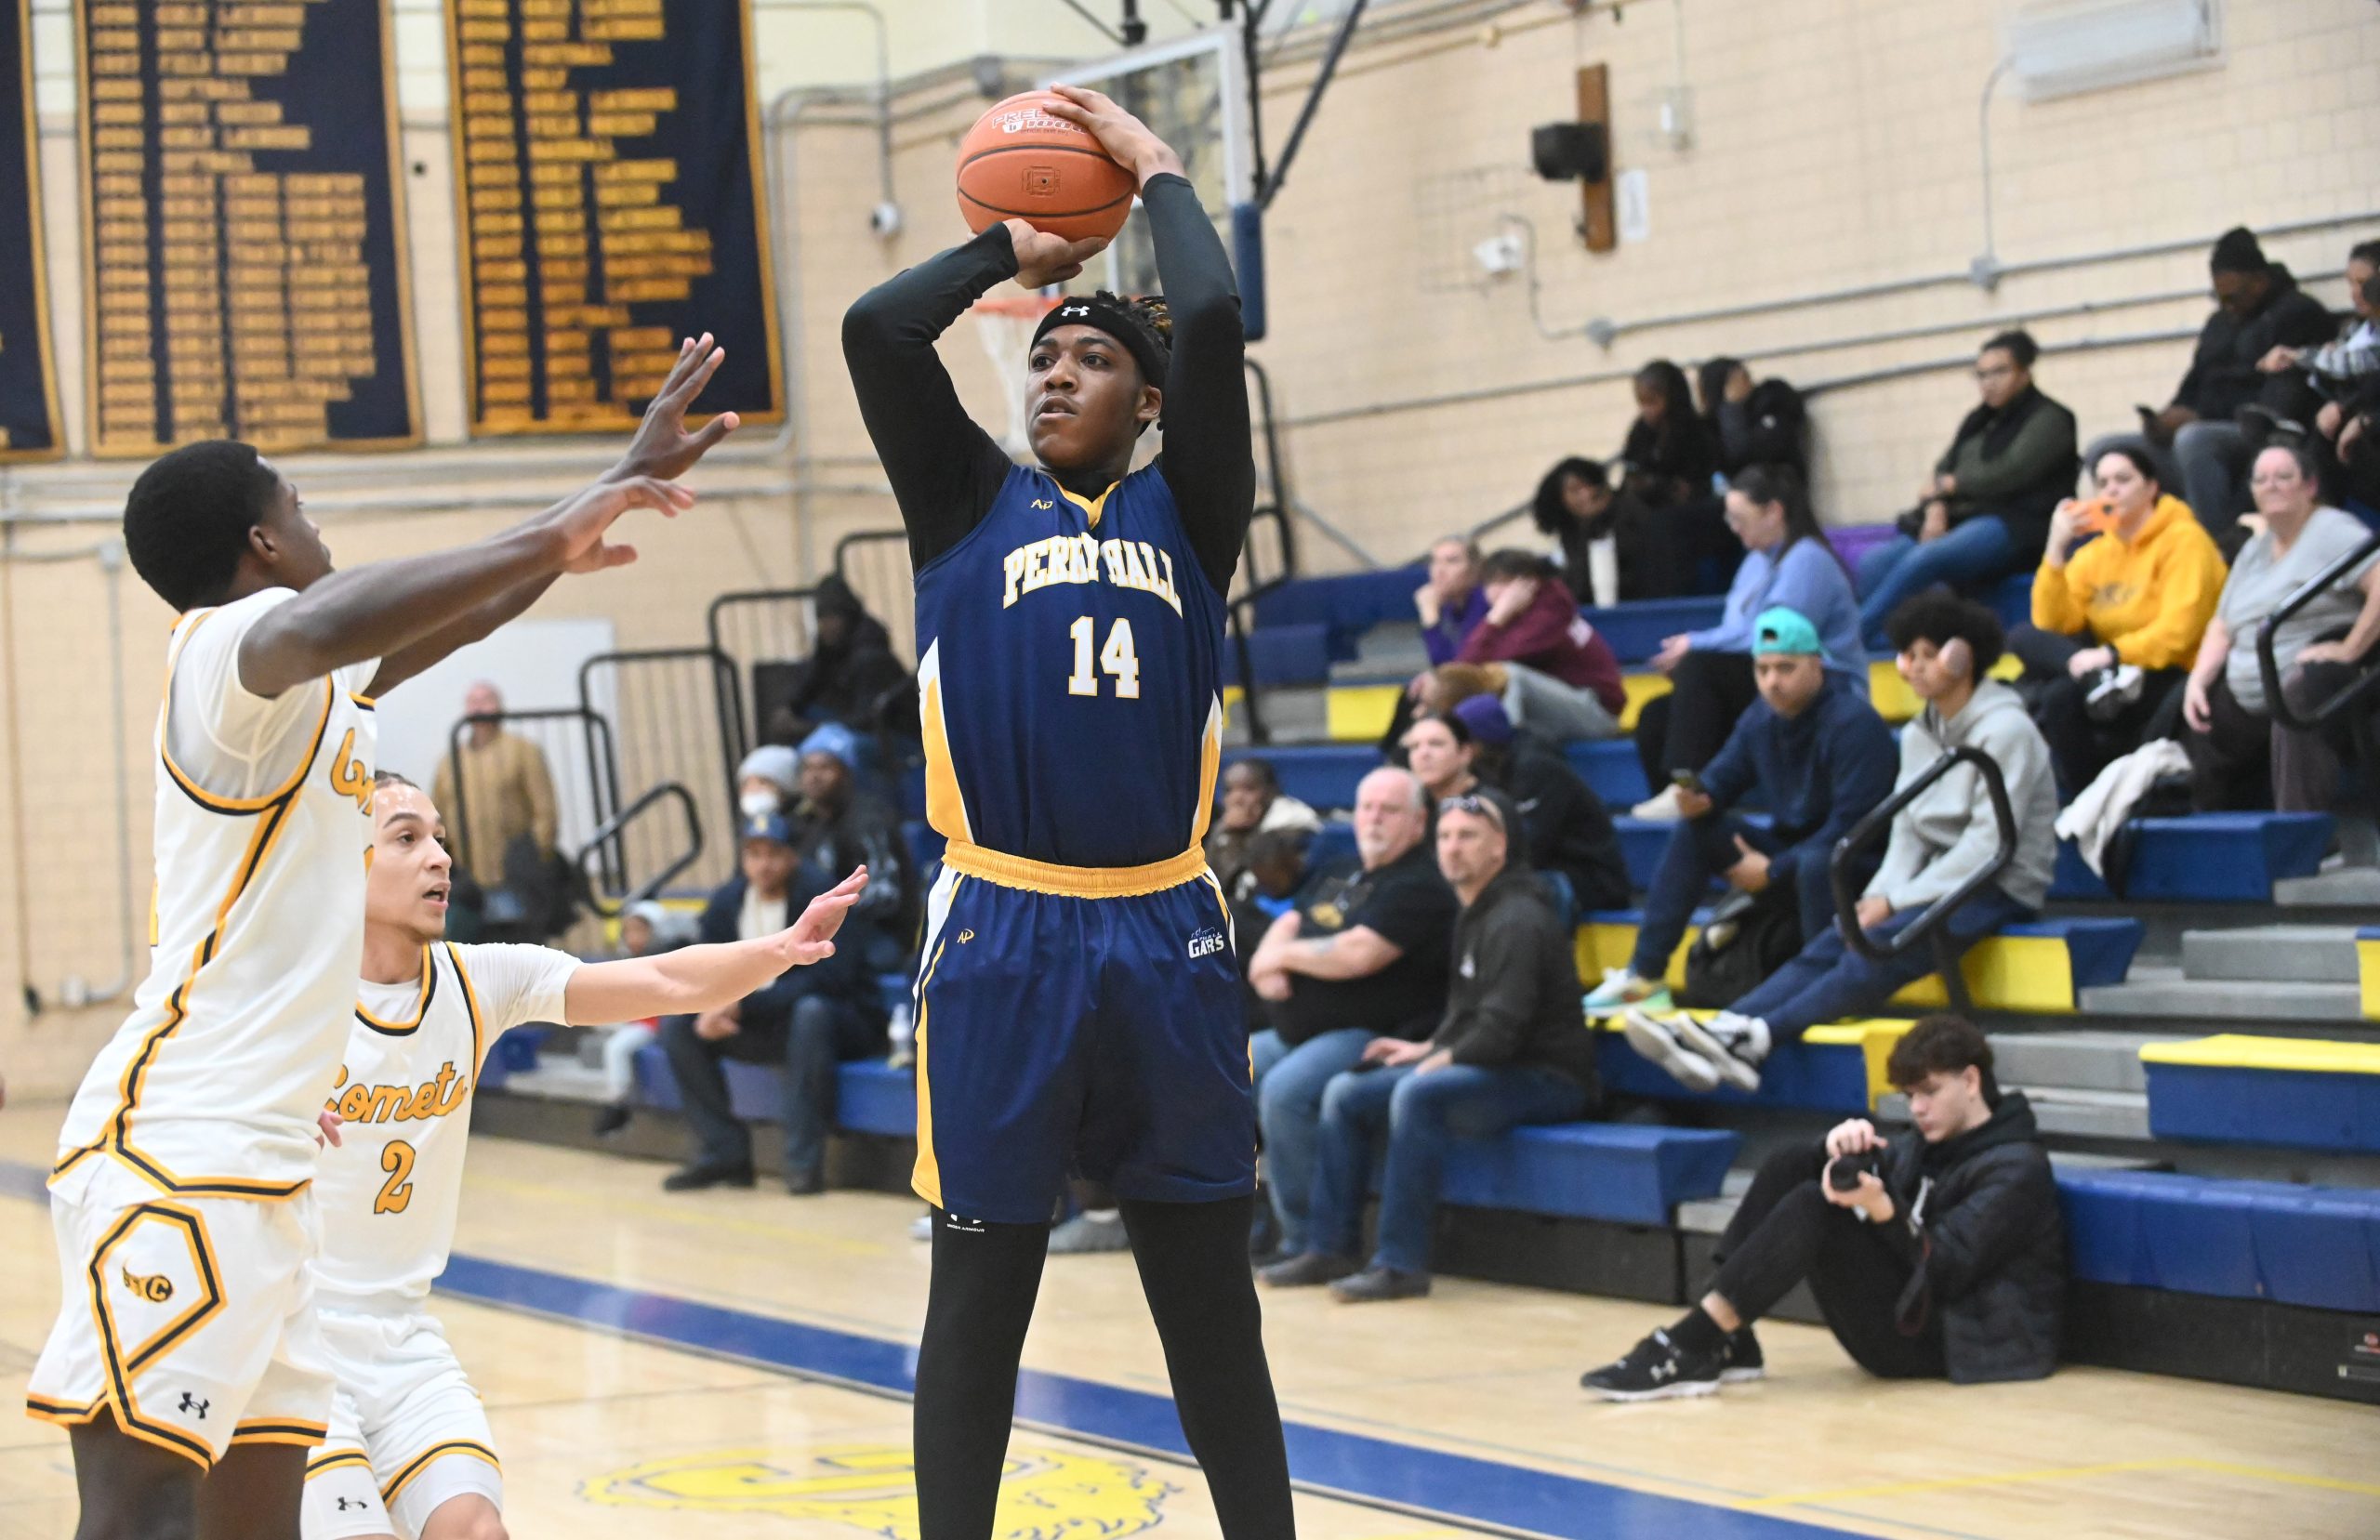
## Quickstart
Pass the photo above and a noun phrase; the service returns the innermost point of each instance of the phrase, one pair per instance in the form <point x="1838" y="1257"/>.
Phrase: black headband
<point x="1101" y="313"/>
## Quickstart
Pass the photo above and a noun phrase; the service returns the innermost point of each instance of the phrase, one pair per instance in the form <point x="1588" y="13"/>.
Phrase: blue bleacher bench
<point x="2299" y="1093"/>
<point x="1281" y="655"/>
<point x="2206" y="858"/>
<point x="870" y="1096"/>
<point x="1836" y="1068"/>
<point x="1350" y="603"/>
<point x="1620" y="1172"/>
<point x="2317" y="1246"/>
<point x="1323" y="776"/>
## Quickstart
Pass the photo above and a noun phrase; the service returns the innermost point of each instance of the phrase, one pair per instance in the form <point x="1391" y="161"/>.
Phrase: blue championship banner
<point x="245" y="275"/>
<point x="609" y="200"/>
<point x="28" y="428"/>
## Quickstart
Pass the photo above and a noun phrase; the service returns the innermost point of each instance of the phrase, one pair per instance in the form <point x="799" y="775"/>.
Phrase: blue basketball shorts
<point x="1079" y="1022"/>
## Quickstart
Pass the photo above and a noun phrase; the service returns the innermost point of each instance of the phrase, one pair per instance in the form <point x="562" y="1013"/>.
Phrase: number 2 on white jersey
<point x="1118" y="658"/>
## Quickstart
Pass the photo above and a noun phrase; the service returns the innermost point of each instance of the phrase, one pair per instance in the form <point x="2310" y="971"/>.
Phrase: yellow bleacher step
<point x="2243" y="1051"/>
<point x="2026" y="973"/>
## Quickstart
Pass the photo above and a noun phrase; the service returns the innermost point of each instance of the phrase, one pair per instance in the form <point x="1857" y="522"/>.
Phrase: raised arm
<point x="944" y="470"/>
<point x="1208" y="460"/>
<point x="412" y="612"/>
<point x="697" y="978"/>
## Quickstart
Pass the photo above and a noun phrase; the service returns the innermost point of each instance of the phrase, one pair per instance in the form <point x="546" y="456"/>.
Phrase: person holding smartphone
<point x="1935" y="1254"/>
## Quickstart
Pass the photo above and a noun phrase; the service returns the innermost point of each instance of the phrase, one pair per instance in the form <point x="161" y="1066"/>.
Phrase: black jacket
<point x="2017" y="462"/>
<point x="1570" y="829"/>
<point x="1766" y="427"/>
<point x="841" y="977"/>
<point x="863" y="834"/>
<point x="1979" y="1221"/>
<point x="1514" y="999"/>
<point x="2223" y="375"/>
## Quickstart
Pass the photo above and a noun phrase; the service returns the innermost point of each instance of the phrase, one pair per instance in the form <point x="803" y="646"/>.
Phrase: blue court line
<point x="1410" y="1478"/>
<point x="1403" y="1476"/>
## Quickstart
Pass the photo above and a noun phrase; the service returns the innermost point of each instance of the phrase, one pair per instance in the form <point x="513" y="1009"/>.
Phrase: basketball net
<point x="1004" y="324"/>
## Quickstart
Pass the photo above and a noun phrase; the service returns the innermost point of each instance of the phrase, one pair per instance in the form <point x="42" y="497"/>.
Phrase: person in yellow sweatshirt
<point x="2116" y="619"/>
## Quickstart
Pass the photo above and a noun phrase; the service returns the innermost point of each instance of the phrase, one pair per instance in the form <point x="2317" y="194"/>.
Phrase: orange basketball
<point x="1022" y="162"/>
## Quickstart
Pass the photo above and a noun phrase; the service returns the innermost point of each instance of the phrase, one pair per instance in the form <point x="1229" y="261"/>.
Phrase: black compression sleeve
<point x="944" y="470"/>
<point x="985" y="1280"/>
<point x="1207" y="461"/>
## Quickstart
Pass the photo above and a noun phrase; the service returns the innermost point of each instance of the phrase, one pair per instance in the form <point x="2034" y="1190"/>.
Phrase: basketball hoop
<point x="1004" y="324"/>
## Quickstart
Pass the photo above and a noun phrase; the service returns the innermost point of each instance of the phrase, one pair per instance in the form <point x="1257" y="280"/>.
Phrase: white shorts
<point x="407" y="1433"/>
<point x="190" y="1319"/>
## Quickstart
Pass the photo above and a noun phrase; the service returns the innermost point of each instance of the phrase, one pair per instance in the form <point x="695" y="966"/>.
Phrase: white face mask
<point x="757" y="804"/>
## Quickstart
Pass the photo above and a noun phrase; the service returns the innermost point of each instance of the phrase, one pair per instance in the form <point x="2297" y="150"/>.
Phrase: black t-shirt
<point x="1407" y="903"/>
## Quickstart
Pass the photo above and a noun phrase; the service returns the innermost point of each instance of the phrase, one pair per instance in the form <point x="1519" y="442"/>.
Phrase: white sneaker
<point x="1661" y="809"/>
<point x="1659" y="1039"/>
<point x="1622" y="989"/>
<point x="921" y="1228"/>
<point x="1733" y="1045"/>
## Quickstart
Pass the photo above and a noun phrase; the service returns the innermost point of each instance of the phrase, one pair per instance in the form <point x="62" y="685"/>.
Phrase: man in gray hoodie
<point x="1947" y="647"/>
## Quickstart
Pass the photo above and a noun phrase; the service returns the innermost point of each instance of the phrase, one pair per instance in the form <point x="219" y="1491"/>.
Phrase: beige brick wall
<point x="1835" y="145"/>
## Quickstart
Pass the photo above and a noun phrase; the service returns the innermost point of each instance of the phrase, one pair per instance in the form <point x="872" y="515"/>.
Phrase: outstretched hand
<point x="810" y="939"/>
<point x="662" y="448"/>
<point x="586" y="518"/>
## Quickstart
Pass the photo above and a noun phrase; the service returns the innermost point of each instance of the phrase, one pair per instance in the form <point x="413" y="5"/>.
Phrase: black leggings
<point x="1785" y="1231"/>
<point x="1193" y="1269"/>
<point x="1687" y="728"/>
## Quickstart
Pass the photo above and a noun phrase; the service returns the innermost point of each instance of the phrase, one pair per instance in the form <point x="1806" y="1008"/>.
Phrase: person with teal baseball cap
<point x="1822" y="758"/>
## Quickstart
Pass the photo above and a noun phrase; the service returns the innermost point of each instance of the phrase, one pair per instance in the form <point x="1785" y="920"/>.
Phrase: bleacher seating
<point x="2244" y="1240"/>
<point x="1838" y="1068"/>
<point x="1622" y="1173"/>
<point x="2207" y="858"/>
<point x="2292" y="1092"/>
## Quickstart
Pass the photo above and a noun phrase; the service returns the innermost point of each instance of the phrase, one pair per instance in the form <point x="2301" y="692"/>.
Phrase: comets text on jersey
<point x="1087" y="558"/>
<point x="362" y="1103"/>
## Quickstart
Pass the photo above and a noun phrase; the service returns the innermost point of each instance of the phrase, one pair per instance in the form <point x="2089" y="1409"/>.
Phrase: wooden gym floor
<point x="730" y="1364"/>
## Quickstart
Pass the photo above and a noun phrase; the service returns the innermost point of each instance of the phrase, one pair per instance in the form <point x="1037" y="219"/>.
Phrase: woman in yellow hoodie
<point x="2116" y="621"/>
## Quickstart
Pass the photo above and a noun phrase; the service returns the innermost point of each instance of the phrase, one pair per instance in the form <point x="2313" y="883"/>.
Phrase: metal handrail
<point x="1928" y="927"/>
<point x="864" y="537"/>
<point x="2269" y="665"/>
<point x="727" y="694"/>
<point x="602" y="766"/>
<point x="1268" y="428"/>
<point x="609" y="834"/>
<point x="746" y="596"/>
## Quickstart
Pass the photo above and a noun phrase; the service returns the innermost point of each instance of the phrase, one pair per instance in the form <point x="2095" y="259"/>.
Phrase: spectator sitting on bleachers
<point x="1788" y="562"/>
<point x="837" y="827"/>
<point x="1557" y="675"/>
<point x="2325" y="378"/>
<point x="1666" y="519"/>
<point x="2258" y="307"/>
<point x="768" y="781"/>
<point x="1753" y="424"/>
<point x="2117" y="621"/>
<point x="1253" y="804"/>
<point x="1947" y="646"/>
<point x="2358" y="444"/>
<point x="2240" y="756"/>
<point x="647" y="929"/>
<point x="1984" y="511"/>
<point x="1450" y="605"/>
<point x="1819" y="756"/>
<point x="1939" y="1252"/>
<point x="852" y="675"/>
<point x="1573" y="507"/>
<point x="1362" y="956"/>
<point x="505" y="826"/>
<point x="1511" y="1051"/>
<point x="807" y="1020"/>
<point x="1572" y="841"/>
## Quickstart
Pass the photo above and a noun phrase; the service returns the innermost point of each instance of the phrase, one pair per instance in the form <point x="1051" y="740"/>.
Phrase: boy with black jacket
<point x="1938" y="1254"/>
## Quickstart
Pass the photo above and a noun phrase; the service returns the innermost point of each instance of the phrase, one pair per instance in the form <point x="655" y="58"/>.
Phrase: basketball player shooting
<point x="1077" y="1002"/>
<point x="409" y="1453"/>
<point x="186" y="1361"/>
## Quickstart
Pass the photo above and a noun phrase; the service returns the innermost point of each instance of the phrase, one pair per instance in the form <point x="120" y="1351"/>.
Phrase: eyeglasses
<point x="1477" y="807"/>
<point x="1997" y="370"/>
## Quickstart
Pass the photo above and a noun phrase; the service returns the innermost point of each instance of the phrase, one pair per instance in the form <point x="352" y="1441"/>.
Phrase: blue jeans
<point x="816" y="1034"/>
<point x="1290" y="1083"/>
<point x="1828" y="980"/>
<point x="1975" y="551"/>
<point x="1416" y="1116"/>
<point x="1698" y="851"/>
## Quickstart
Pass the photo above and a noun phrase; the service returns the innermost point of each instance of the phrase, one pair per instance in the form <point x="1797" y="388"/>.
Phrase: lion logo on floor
<point x="1045" y="1493"/>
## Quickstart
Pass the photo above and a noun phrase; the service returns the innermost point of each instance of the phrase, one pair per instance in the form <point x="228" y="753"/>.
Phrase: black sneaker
<point x="1377" y="1284"/>
<point x="1308" y="1270"/>
<point x="702" y="1173"/>
<point x="1741" y="1358"/>
<point x="611" y="1117"/>
<point x="1654" y="1370"/>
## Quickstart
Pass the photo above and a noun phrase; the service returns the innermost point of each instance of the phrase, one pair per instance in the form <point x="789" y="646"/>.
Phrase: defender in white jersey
<point x="409" y="1452"/>
<point x="184" y="1361"/>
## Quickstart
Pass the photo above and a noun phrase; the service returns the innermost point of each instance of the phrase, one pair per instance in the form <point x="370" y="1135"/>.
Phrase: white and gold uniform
<point x="406" y="1429"/>
<point x="180" y="1197"/>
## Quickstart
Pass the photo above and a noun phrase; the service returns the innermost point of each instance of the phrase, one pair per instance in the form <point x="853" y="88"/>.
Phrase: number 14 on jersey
<point x="1118" y="659"/>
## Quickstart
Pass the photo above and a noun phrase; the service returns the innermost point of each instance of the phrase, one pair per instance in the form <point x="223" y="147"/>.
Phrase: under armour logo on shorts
<point x="192" y="1403"/>
<point x="345" y="1503"/>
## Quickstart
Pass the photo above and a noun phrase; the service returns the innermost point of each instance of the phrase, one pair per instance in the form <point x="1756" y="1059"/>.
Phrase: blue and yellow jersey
<point x="1070" y="674"/>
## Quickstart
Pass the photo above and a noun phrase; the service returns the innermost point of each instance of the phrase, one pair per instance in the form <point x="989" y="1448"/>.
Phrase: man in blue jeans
<point x="1940" y="840"/>
<point x="1362" y="956"/>
<point x="807" y="1020"/>
<point x="1511" y="1051"/>
<point x="1819" y="756"/>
